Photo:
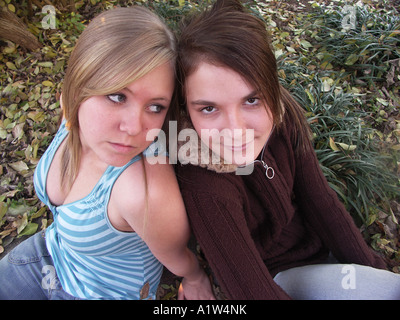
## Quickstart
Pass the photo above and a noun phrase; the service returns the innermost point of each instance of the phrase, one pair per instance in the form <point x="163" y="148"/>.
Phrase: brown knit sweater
<point x="250" y="228"/>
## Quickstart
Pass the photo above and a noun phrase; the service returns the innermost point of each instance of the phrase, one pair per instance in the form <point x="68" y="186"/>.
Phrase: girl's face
<point x="219" y="98"/>
<point x="113" y="128"/>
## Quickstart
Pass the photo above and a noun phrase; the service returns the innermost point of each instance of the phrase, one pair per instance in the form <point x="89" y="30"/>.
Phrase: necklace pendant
<point x="269" y="171"/>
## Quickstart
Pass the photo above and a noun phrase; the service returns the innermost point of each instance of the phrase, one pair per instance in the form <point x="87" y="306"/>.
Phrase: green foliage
<point x="348" y="82"/>
<point x="173" y="11"/>
<point x="349" y="157"/>
<point x="363" y="50"/>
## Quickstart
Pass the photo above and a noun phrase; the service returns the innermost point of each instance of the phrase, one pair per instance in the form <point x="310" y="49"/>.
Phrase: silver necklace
<point x="269" y="171"/>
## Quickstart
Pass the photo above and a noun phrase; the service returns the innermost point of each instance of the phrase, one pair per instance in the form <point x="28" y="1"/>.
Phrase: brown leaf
<point x="144" y="292"/>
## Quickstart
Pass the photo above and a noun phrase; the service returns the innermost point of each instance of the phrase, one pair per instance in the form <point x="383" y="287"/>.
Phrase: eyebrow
<point x="161" y="99"/>
<point x="201" y="102"/>
<point x="153" y="99"/>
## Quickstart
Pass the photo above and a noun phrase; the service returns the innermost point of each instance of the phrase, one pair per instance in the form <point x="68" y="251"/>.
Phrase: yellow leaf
<point x="47" y="83"/>
<point x="22" y="223"/>
<point x="10" y="49"/>
<point x="44" y="224"/>
<point x="310" y="96"/>
<point x="346" y="147"/>
<point x="11" y="7"/>
<point x="11" y="65"/>
<point x="333" y="145"/>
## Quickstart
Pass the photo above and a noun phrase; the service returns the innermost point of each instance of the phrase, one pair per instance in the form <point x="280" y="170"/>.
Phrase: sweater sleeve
<point x="221" y="230"/>
<point x="328" y="216"/>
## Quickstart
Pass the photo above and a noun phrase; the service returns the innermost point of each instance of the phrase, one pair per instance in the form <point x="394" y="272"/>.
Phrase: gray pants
<point x="339" y="282"/>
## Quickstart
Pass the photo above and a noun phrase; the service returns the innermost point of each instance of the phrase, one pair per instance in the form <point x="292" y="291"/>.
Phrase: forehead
<point x="212" y="81"/>
<point x="159" y="81"/>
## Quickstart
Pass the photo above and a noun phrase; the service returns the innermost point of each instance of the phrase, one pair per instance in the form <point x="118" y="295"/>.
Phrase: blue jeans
<point x="27" y="273"/>
<point x="339" y="282"/>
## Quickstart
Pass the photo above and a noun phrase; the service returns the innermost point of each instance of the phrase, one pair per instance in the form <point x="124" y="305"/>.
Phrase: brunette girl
<point x="268" y="231"/>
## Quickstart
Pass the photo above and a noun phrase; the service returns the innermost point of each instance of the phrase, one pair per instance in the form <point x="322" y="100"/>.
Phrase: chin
<point x="118" y="162"/>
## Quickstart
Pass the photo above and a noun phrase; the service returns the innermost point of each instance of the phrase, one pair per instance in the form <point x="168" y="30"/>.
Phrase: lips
<point x="122" y="148"/>
<point x="236" y="148"/>
<point x="240" y="147"/>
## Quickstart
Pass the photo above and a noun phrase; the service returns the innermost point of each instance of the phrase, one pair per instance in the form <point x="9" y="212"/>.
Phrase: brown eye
<point x="208" y="109"/>
<point x="252" y="101"/>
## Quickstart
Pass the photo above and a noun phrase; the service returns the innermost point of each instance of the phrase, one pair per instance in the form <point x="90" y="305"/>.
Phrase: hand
<point x="199" y="289"/>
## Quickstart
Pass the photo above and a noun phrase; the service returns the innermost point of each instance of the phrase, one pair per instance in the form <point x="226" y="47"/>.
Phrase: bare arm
<point x="164" y="226"/>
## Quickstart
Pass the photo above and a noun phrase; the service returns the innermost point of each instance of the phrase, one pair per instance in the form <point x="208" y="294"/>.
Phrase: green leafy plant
<point x="348" y="155"/>
<point x="364" y="49"/>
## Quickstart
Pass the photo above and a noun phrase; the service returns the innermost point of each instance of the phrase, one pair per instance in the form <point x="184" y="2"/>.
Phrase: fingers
<point x="181" y="294"/>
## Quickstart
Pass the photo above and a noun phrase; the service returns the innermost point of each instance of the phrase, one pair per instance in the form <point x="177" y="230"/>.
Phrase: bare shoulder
<point x="158" y="179"/>
<point x="147" y="188"/>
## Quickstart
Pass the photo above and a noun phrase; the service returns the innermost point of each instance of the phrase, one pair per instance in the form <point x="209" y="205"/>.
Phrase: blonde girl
<point x="117" y="218"/>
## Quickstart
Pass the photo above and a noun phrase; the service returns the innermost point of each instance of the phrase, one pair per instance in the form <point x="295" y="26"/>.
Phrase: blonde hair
<point x="118" y="47"/>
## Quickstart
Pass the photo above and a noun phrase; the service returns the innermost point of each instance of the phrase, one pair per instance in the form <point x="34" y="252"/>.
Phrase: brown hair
<point x="227" y="35"/>
<point x="118" y="47"/>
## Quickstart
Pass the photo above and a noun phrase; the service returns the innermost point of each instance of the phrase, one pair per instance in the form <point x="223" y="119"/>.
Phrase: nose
<point x="131" y="122"/>
<point x="235" y="119"/>
<point x="235" y="126"/>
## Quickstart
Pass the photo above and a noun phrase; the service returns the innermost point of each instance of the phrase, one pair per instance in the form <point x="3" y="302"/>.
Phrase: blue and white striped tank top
<point x="92" y="259"/>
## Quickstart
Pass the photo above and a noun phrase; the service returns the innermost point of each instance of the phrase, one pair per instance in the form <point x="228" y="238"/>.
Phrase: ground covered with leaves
<point x="341" y="61"/>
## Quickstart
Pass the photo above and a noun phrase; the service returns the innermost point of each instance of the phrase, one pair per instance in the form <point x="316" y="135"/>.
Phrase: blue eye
<point x="117" y="97"/>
